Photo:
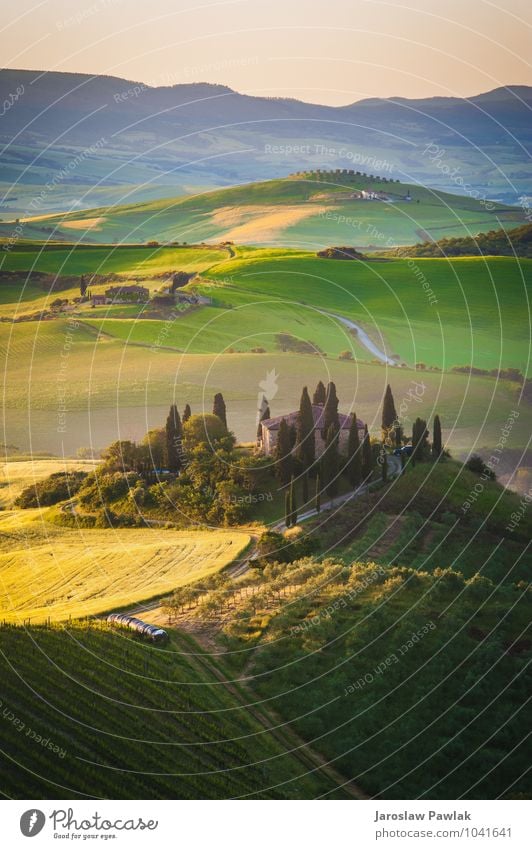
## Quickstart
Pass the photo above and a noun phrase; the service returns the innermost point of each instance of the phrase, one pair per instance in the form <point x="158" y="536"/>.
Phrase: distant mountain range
<point x="105" y="134"/>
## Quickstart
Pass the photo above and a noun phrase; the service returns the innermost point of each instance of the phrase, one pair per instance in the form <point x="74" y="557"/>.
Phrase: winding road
<point x="362" y="337"/>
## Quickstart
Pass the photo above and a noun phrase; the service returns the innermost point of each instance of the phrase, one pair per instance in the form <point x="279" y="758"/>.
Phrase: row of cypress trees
<point x="296" y="449"/>
<point x="296" y="452"/>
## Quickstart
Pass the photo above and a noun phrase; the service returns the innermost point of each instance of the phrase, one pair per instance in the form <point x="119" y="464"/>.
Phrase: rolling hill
<point x="309" y="210"/>
<point x="190" y="136"/>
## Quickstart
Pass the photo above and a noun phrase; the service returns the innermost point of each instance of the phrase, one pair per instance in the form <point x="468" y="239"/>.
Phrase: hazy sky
<point x="333" y="51"/>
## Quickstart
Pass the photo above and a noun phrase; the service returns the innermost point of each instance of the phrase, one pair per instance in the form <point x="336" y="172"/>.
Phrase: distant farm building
<point x="270" y="430"/>
<point x="371" y="195"/>
<point x="99" y="300"/>
<point x="128" y="294"/>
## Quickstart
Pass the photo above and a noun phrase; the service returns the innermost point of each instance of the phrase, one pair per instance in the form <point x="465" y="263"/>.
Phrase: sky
<point x="333" y="51"/>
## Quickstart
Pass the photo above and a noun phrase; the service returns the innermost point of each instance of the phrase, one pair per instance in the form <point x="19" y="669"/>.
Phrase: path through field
<point x="362" y="337"/>
<point x="292" y="743"/>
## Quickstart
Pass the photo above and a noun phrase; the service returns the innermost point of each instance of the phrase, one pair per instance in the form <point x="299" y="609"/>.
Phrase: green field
<point x="129" y="721"/>
<point x="128" y="388"/>
<point x="301" y="212"/>
<point x="74" y="259"/>
<point x="478" y="317"/>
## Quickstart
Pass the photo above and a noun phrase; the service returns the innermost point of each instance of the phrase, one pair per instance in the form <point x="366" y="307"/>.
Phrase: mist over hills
<point x="121" y="134"/>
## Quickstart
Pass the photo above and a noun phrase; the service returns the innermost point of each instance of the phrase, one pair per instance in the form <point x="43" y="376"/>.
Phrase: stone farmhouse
<point x="127" y="294"/>
<point x="270" y="430"/>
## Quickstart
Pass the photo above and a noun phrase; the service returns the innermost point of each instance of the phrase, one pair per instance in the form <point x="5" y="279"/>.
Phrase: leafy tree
<point x="155" y="444"/>
<point x="283" y="454"/>
<point x="204" y="430"/>
<point x="477" y="465"/>
<point x="174" y="436"/>
<point x="82" y="286"/>
<point x="367" y="455"/>
<point x="389" y="415"/>
<point x="121" y="456"/>
<point x="354" y="455"/>
<point x="330" y="416"/>
<point x="57" y="487"/>
<point x="218" y="408"/>
<point x="320" y="395"/>
<point x="436" y="438"/>
<point x="179" y="280"/>
<point x="305" y="432"/>
<point x="187" y="412"/>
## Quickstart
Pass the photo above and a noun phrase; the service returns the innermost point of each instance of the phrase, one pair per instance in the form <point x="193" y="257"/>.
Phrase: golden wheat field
<point x="85" y="572"/>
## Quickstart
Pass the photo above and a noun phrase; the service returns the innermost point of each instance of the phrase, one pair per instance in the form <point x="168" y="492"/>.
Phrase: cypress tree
<point x="398" y="434"/>
<point x="331" y="461"/>
<point x="320" y="395"/>
<point x="292" y="433"/>
<point x="283" y="454"/>
<point x="306" y="453"/>
<point x="263" y="415"/>
<point x="287" y="509"/>
<point x="436" y="438"/>
<point x="367" y="455"/>
<point x="354" y="455"/>
<point x="419" y="440"/>
<point x="389" y="415"/>
<point x="330" y="413"/>
<point x="174" y="433"/>
<point x="218" y="408"/>
<point x="384" y="466"/>
<point x="187" y="412"/>
<point x="304" y="493"/>
<point x="293" y="503"/>
<point x="317" y="501"/>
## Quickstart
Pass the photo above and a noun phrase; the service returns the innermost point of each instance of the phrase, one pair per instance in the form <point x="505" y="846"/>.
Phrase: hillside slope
<point x="310" y="210"/>
<point x="127" y="720"/>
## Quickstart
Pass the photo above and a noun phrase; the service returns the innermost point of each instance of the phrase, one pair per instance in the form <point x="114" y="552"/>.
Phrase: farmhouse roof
<point x="318" y="414"/>
<point x="128" y="289"/>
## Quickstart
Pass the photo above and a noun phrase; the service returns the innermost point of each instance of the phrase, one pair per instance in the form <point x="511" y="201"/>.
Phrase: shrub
<point x="58" y="487"/>
<point x="477" y="465"/>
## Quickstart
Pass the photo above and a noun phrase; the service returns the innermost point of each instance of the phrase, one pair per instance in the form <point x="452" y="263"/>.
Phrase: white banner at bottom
<point x="266" y="825"/>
